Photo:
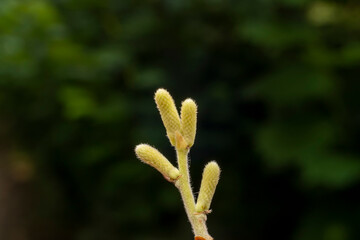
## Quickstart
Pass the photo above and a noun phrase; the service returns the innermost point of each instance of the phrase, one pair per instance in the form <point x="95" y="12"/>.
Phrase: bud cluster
<point x="181" y="131"/>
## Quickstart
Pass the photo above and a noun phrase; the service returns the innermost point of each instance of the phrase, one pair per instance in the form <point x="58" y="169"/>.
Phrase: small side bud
<point x="199" y="238"/>
<point x="181" y="143"/>
<point x="154" y="158"/>
<point x="209" y="181"/>
<point x="169" y="114"/>
<point x="188" y="120"/>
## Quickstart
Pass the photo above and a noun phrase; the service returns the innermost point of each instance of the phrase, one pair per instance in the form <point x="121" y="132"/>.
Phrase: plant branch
<point x="197" y="220"/>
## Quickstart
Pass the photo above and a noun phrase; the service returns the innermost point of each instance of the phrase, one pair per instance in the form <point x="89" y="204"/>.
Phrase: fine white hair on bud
<point x="169" y="114"/>
<point x="188" y="120"/>
<point x="154" y="158"/>
<point x="209" y="182"/>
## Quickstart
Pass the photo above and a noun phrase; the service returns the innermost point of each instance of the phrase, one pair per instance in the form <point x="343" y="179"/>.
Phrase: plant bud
<point x="169" y="114"/>
<point x="188" y="121"/>
<point x="154" y="158"/>
<point x="209" y="181"/>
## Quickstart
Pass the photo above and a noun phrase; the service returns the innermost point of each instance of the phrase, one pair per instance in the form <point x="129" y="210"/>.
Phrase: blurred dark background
<point x="277" y="84"/>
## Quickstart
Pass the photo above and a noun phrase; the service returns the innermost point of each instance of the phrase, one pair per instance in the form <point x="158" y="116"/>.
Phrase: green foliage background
<point x="277" y="84"/>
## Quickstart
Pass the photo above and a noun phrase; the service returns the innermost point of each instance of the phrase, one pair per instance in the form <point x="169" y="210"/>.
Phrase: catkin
<point x="154" y="158"/>
<point x="188" y="121"/>
<point x="209" y="181"/>
<point x="169" y="114"/>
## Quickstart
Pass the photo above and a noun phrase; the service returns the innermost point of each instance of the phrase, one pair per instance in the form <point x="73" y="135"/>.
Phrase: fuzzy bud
<point x="169" y="114"/>
<point x="209" y="181"/>
<point x="188" y="121"/>
<point x="154" y="158"/>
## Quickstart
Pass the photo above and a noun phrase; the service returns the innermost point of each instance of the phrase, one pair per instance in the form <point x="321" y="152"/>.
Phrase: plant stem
<point x="197" y="220"/>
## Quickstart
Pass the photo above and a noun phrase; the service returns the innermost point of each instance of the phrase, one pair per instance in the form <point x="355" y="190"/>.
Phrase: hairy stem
<point x="197" y="220"/>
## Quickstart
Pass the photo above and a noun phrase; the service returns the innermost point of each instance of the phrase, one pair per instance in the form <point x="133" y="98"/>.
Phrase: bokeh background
<point x="277" y="84"/>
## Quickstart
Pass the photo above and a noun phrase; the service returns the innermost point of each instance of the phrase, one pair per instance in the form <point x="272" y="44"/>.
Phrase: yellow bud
<point x="209" y="181"/>
<point x="168" y="112"/>
<point x="188" y="121"/>
<point x="154" y="158"/>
